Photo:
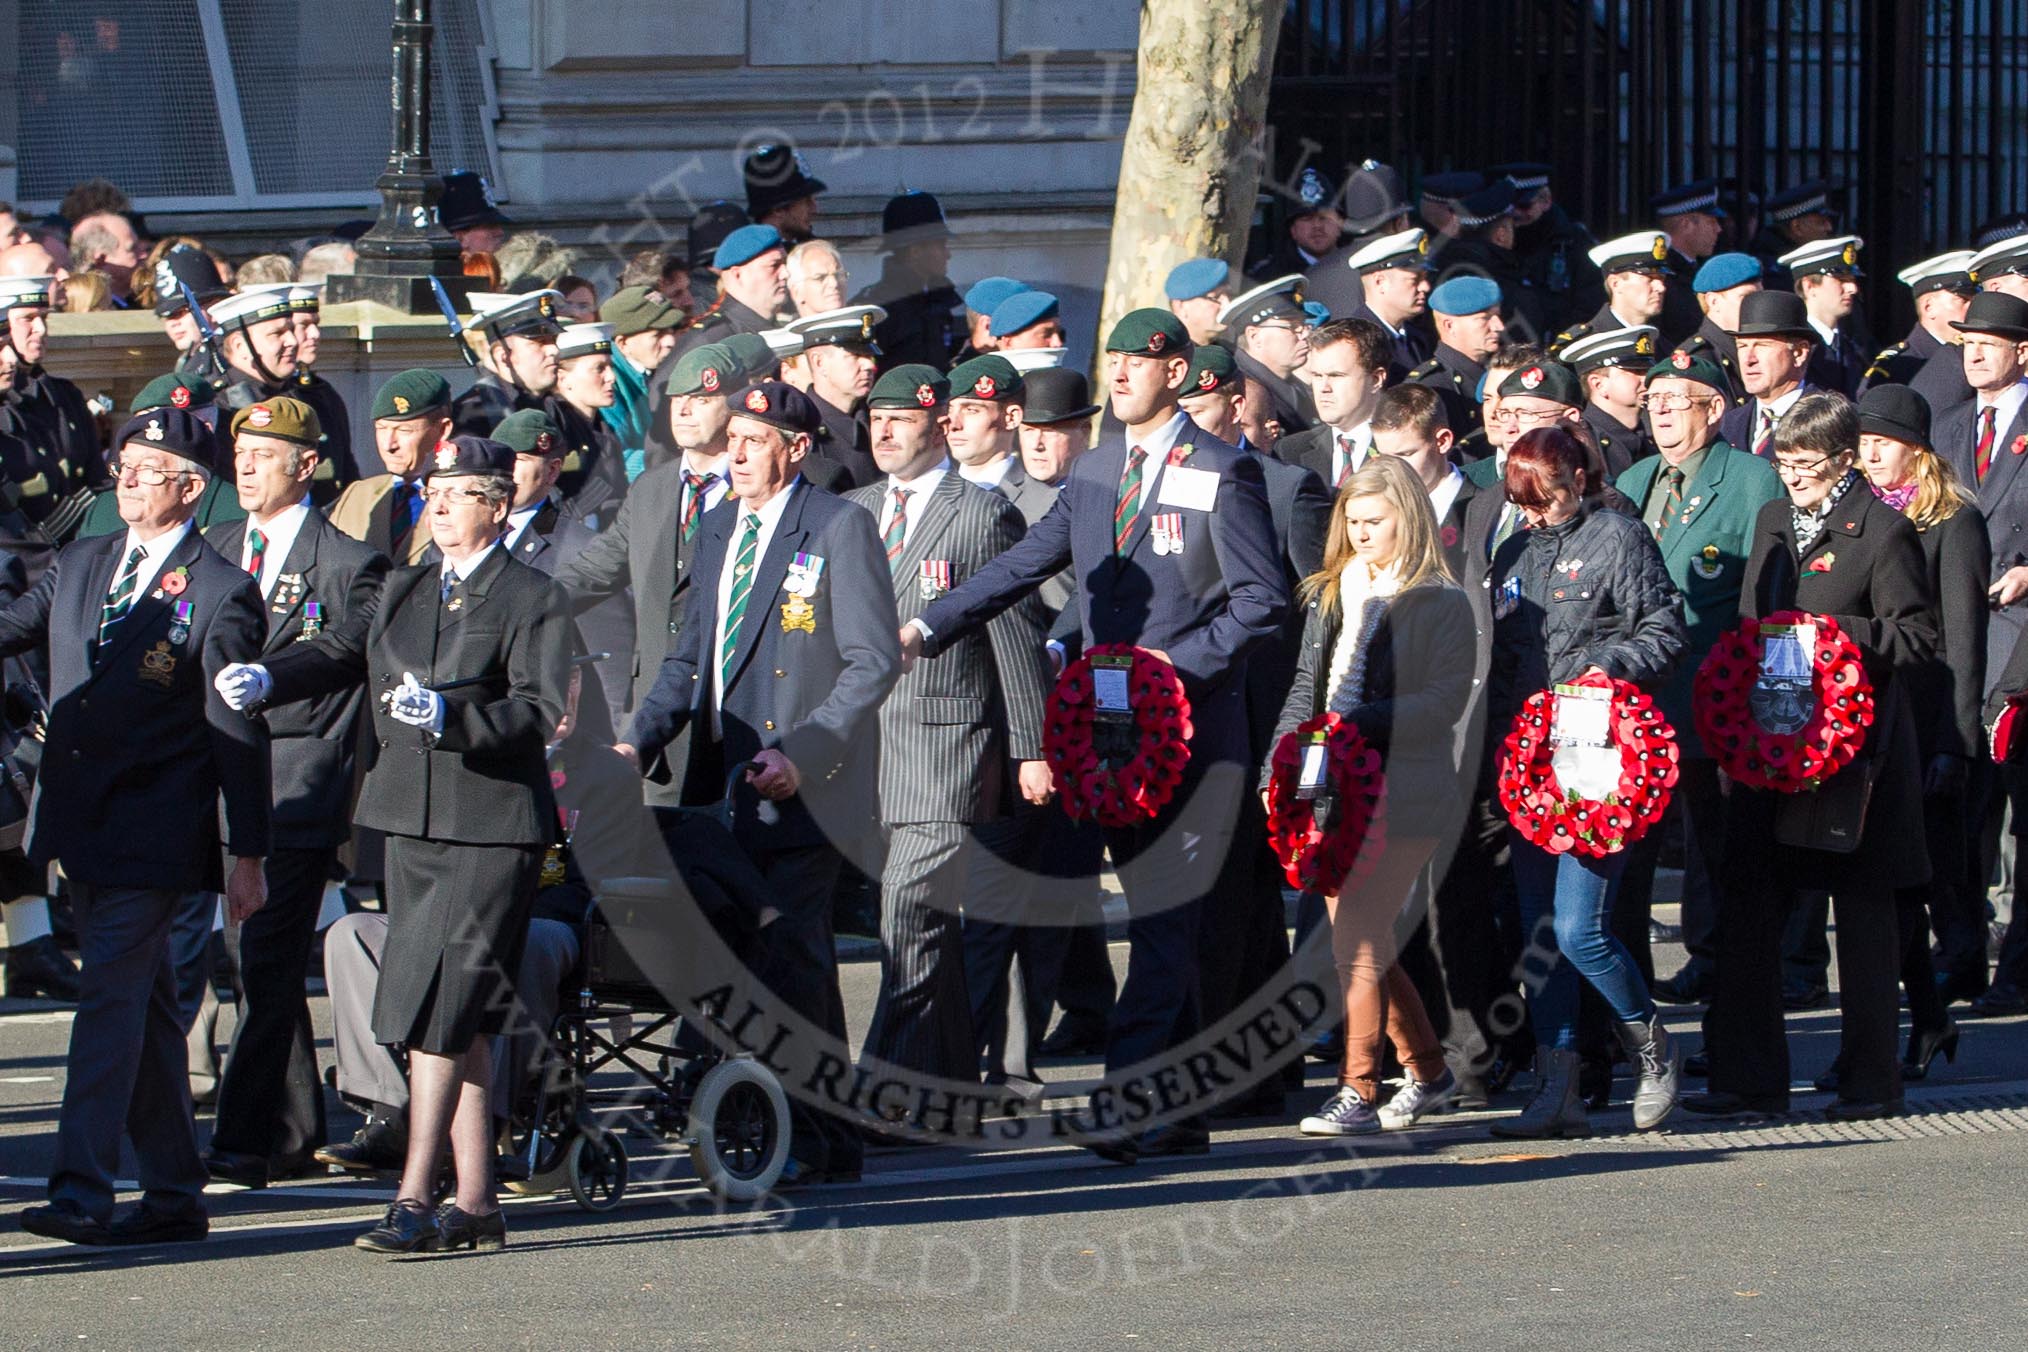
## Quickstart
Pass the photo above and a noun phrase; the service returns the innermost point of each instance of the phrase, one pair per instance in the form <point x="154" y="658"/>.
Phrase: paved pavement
<point x="1795" y="1234"/>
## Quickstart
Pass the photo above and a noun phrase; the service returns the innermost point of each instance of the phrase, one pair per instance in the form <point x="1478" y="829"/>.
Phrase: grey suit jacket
<point x="950" y="729"/>
<point x="2003" y="497"/>
<point x="1033" y="498"/>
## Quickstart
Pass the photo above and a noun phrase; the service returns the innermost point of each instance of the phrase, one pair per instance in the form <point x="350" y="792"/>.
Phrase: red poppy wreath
<point x="1122" y="785"/>
<point x="1314" y="857"/>
<point x="1557" y="819"/>
<point x="1789" y="737"/>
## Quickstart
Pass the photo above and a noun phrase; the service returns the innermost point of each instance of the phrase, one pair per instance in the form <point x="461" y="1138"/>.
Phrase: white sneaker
<point x="1417" y="1100"/>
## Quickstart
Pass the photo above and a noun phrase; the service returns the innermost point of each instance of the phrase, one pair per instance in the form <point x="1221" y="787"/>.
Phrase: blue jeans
<point x="1577" y="892"/>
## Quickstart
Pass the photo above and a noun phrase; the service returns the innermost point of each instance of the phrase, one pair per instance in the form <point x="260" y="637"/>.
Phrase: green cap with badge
<point x="1680" y="365"/>
<point x="175" y="390"/>
<point x="912" y="385"/>
<point x="282" y="417"/>
<point x="637" y="309"/>
<point x="412" y="394"/>
<point x="707" y="370"/>
<point x="528" y="431"/>
<point x="1149" y="333"/>
<point x="1211" y="369"/>
<point x="990" y="377"/>
<point x="1550" y="380"/>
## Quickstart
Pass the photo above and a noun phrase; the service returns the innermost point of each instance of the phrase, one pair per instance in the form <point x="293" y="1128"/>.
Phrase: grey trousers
<point x="127" y="1071"/>
<point x="370" y="1071"/>
<point x="923" y="1019"/>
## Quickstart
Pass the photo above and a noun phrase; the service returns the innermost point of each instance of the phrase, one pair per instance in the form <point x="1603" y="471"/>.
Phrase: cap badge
<point x="708" y="378"/>
<point x="400" y="403"/>
<point x="1644" y="345"/>
<point x="1157" y="341"/>
<point x="757" y="401"/>
<point x="180" y="397"/>
<point x="154" y="430"/>
<point x="1661" y="249"/>
<point x="543" y="441"/>
<point x="925" y="396"/>
<point x="1850" y="255"/>
<point x="1311" y="189"/>
<point x="984" y="387"/>
<point x="447" y="455"/>
<point x="1531" y="377"/>
<point x="866" y="326"/>
<point x="1207" y="379"/>
<point x="545" y="306"/>
<point x="259" y="416"/>
<point x="1422" y="245"/>
<point x="1680" y="359"/>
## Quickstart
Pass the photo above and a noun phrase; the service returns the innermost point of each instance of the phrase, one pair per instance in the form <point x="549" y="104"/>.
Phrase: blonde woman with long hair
<point x="1388" y="643"/>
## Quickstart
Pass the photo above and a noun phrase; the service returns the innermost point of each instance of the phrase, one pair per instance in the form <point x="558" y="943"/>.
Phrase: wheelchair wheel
<point x="596" y="1169"/>
<point x="739" y="1129"/>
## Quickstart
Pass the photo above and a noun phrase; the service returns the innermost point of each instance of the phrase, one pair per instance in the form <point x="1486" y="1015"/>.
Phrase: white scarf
<point x="1357" y="585"/>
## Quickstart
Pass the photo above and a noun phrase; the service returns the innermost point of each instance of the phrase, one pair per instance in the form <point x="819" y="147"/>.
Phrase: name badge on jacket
<point x="1196" y="489"/>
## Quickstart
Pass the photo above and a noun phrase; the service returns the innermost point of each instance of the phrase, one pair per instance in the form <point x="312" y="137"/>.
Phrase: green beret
<point x="1211" y="368"/>
<point x="910" y="386"/>
<point x="281" y="416"/>
<point x="637" y="309"/>
<point x="708" y="370"/>
<point x="412" y="394"/>
<point x="1149" y="333"/>
<point x="1550" y="380"/>
<point x="528" y="431"/>
<point x="1683" y="366"/>
<point x="989" y="377"/>
<point x="175" y="390"/>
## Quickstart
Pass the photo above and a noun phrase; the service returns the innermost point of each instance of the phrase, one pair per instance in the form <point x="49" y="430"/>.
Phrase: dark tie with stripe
<point x="256" y="550"/>
<point x="1672" y="501"/>
<point x="120" y="599"/>
<point x="897" y="528"/>
<point x="401" y="512"/>
<point x="1763" y="441"/>
<point x="742" y="587"/>
<point x="697" y="485"/>
<point x="1982" y="458"/>
<point x="1127" y="510"/>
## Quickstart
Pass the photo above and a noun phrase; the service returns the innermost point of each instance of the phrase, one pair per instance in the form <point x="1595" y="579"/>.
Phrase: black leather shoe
<point x="1697" y="1065"/>
<point x="1804" y="995"/>
<point x="39" y="968"/>
<point x="1847" y="1110"/>
<point x="60" y="1222"/>
<point x="1177" y="1138"/>
<point x="408" y="1227"/>
<point x="1952" y="987"/>
<point x="1074" y="1037"/>
<point x="147" y="1225"/>
<point x="1736" y="1105"/>
<point x="1925" y="1045"/>
<point x="459" y="1229"/>
<point x="1999" y="1002"/>
<point x="1691" y="986"/>
<point x="1116" y="1146"/>
<point x="247" y="1171"/>
<point x="381" y="1146"/>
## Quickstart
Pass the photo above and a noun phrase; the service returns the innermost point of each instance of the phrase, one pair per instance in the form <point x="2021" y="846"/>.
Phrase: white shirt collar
<point x="1780" y="407"/>
<point x="2007" y="403"/>
<point x="155" y="553"/>
<point x="986" y="476"/>
<point x="1445" y="493"/>
<point x="1157" y="445"/>
<point x="719" y="465"/>
<point x="1829" y="335"/>
<point x="517" y="522"/>
<point x="280" y="532"/>
<point x="921" y="489"/>
<point x="469" y="566"/>
<point x="1625" y="323"/>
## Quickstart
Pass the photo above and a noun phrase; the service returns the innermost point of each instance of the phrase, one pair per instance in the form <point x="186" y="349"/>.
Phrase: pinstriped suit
<point x="948" y="734"/>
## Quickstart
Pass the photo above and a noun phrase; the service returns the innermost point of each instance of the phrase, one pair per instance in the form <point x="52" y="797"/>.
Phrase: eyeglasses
<point x="470" y="496"/>
<point x="1673" y="403"/>
<point x="1534" y="417"/>
<point x="1802" y="469"/>
<point x="149" y="475"/>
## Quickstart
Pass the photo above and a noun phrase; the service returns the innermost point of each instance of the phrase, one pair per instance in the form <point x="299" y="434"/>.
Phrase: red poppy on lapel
<point x="2021" y="443"/>
<point x="1822" y="563"/>
<point x="1449" y="536"/>
<point x="1180" y="452"/>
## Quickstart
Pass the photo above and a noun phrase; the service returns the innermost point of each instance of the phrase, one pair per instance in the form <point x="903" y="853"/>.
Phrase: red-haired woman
<point x="1582" y="593"/>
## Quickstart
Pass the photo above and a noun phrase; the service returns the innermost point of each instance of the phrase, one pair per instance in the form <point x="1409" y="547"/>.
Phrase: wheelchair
<point x="728" y="1109"/>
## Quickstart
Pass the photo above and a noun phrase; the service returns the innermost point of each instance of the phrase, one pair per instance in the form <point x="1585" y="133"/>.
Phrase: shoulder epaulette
<point x="1428" y="368"/>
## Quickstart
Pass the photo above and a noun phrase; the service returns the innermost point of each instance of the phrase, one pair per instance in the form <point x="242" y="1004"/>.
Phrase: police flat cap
<point x="414" y="393"/>
<point x="2007" y="255"/>
<point x="1451" y="185"/>
<point x="1806" y="198"/>
<point x="1487" y="205"/>
<point x="1684" y="198"/>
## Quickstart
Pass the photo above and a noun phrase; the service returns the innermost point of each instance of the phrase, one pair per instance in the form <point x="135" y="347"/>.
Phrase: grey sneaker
<point x="1343" y="1114"/>
<point x="1417" y="1100"/>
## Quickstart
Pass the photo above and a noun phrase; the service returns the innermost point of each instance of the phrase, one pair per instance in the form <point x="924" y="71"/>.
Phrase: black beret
<point x="778" y="405"/>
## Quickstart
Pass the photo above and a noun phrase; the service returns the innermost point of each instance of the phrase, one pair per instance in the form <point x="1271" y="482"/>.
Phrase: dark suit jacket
<point x="1311" y="449"/>
<point x="845" y="441"/>
<point x="1947" y="690"/>
<point x="140" y="746"/>
<point x="1208" y="606"/>
<point x="315" y="741"/>
<point x="1300" y="507"/>
<point x="813" y="693"/>
<point x="594" y="477"/>
<point x="484" y="779"/>
<point x="2002" y="500"/>
<point x="1735" y="428"/>
<point x="1033" y="498"/>
<point x="555" y="537"/>
<point x="951" y="729"/>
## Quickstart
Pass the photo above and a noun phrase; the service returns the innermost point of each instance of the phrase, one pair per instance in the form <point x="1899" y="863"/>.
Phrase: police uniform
<point x="1680" y="312"/>
<point x="1277" y="301"/>
<point x="1314" y="193"/>
<point x="844" y="437"/>
<point x="305" y="298"/>
<point x="1374" y="207"/>
<point x="179" y="274"/>
<point x="496" y="317"/>
<point x="594" y="477"/>
<point x="922" y="320"/>
<point x="241" y="313"/>
<point x="727" y="317"/>
<point x="1644" y="251"/>
<point x="1454" y="376"/>
<point x="1632" y="349"/>
<point x="776" y="176"/>
<point x="1811" y="197"/>
<point x="1839" y="360"/>
<point x="1909" y="361"/>
<point x="1552" y="251"/>
<point x="1476" y="252"/>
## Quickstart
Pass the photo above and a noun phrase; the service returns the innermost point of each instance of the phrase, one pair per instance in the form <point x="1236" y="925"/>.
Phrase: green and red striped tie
<point x="1127" y="510"/>
<point x="742" y="587"/>
<point x="897" y="527"/>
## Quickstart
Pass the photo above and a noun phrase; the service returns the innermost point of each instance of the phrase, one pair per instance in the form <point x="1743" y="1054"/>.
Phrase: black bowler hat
<point x="1056" y="395"/>
<point x="468" y="202"/>
<point x="709" y="227"/>
<point x="775" y="176"/>
<point x="1997" y="313"/>
<point x="1774" y="314"/>
<point x="1895" y="411"/>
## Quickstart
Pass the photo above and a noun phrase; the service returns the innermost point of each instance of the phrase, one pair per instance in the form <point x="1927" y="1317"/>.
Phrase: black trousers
<point x="270" y="1101"/>
<point x="1473" y="940"/>
<point x="799" y="963"/>
<point x="1702" y="808"/>
<point x="1958" y="898"/>
<point x="1242" y="940"/>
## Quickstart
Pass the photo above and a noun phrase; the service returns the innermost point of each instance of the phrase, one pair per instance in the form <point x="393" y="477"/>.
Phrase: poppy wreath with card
<point x="1786" y="762"/>
<point x="1123" y="784"/>
<point x="1332" y="854"/>
<point x="1557" y="819"/>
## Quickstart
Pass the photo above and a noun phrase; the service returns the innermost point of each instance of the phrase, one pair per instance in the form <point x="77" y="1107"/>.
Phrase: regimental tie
<point x="1344" y="440"/>
<point x="256" y="550"/>
<point x="696" y="486"/>
<point x="401" y="511"/>
<point x="1982" y="458"/>
<point x="453" y="592"/>
<point x="742" y="587"/>
<point x="1672" y="502"/>
<point x="1127" y="510"/>
<point x="120" y="599"/>
<point x="897" y="528"/>
<point x="1763" y="440"/>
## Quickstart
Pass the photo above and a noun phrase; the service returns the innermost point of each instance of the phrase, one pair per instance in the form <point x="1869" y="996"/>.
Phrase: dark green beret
<point x="1149" y="333"/>
<point x="1684" y="366"/>
<point x="281" y="416"/>
<point x="910" y="386"/>
<point x="1211" y="368"/>
<point x="753" y="354"/>
<point x="637" y="309"/>
<point x="708" y="370"/>
<point x="989" y="377"/>
<point x="1550" y="380"/>
<point x="412" y="394"/>
<point x="528" y="431"/>
<point x="175" y="391"/>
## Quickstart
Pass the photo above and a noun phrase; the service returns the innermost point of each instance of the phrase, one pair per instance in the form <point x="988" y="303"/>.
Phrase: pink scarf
<point x="1897" y="498"/>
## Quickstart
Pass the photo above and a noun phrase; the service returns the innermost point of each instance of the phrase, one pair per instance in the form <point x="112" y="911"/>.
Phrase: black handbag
<point x="1831" y="817"/>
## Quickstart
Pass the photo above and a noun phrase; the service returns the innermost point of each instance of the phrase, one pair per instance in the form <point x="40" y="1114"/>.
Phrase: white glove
<point x="417" y="706"/>
<point x="243" y="685"/>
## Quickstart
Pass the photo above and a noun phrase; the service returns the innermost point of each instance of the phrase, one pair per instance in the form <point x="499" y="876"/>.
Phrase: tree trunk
<point x="1190" y="166"/>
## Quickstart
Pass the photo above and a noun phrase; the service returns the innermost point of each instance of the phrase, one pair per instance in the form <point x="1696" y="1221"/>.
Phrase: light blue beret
<point x="1465" y="296"/>
<point x="1722" y="272"/>
<point x="744" y="245"/>
<point x="1198" y="277"/>
<point x="1020" y="310"/>
<point x="987" y="293"/>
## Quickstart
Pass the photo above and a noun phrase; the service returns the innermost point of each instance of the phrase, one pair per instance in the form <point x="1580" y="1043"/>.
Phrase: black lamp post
<point x="407" y="244"/>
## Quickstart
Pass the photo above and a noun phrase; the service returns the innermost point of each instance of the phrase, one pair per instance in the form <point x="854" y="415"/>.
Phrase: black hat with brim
<point x="1774" y="314"/>
<point x="1895" y="411"/>
<point x="1056" y="395"/>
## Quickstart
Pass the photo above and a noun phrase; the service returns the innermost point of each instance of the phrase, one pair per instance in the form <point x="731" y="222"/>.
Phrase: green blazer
<point x="1704" y="548"/>
<point x="1483" y="472"/>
